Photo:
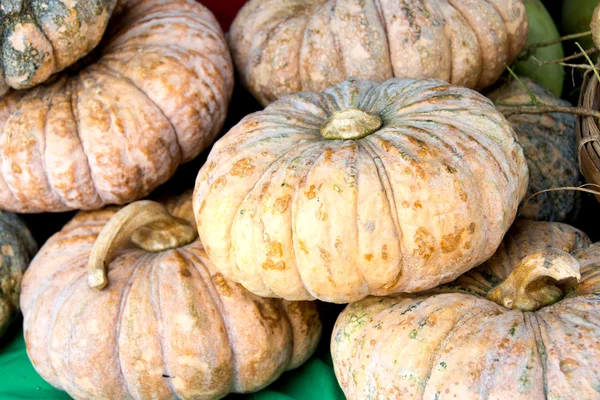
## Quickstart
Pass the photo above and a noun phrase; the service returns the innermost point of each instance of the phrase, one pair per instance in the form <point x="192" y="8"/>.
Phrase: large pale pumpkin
<point x="363" y="189"/>
<point x="168" y="325"/>
<point x="42" y="37"/>
<point x="112" y="133"/>
<point x="17" y="247"/>
<point x="282" y="47"/>
<point x="549" y="142"/>
<point x="501" y="331"/>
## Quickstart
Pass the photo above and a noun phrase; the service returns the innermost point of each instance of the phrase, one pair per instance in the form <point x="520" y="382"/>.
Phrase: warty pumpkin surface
<point x="501" y="331"/>
<point x="17" y="247"/>
<point x="549" y="143"/>
<point x="155" y="98"/>
<point x="42" y="37"/>
<point x="282" y="47"/>
<point x="364" y="189"/>
<point x="167" y="325"/>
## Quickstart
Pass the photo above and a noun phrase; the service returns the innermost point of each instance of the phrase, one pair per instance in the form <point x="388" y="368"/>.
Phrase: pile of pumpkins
<point x="376" y="175"/>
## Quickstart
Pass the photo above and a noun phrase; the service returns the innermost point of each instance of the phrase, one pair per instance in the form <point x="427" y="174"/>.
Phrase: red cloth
<point x="224" y="10"/>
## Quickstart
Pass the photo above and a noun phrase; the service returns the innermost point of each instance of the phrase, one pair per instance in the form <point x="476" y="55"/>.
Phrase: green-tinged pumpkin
<point x="281" y="47"/>
<point x="576" y="18"/>
<point x="542" y="29"/>
<point x="152" y="318"/>
<point x="364" y="189"/>
<point x="549" y="142"/>
<point x="524" y="325"/>
<point x="17" y="247"/>
<point x="42" y="37"/>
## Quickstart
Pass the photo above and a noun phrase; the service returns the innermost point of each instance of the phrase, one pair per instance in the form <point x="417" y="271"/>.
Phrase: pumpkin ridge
<point x="202" y="269"/>
<point x="253" y="188"/>
<point x="451" y="334"/>
<point x="42" y="152"/>
<point x="73" y="85"/>
<point x="155" y="300"/>
<point x="132" y="83"/>
<point x="59" y="301"/>
<point x="356" y="245"/>
<point x="386" y="185"/>
<point x="536" y="328"/>
<point x="124" y="300"/>
<point x="320" y="151"/>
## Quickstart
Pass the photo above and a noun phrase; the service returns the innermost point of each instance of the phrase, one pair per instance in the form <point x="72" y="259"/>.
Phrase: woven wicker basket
<point x="588" y="131"/>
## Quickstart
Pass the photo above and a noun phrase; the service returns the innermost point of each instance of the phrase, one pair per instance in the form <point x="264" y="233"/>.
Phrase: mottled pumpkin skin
<point x="456" y="344"/>
<point x="17" y="247"/>
<point x="286" y="46"/>
<point x="168" y="325"/>
<point x="155" y="98"/>
<point x="289" y="214"/>
<point x="42" y="37"/>
<point x="549" y="142"/>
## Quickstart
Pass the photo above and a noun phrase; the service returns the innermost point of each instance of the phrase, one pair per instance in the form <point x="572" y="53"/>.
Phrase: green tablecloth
<point x="314" y="380"/>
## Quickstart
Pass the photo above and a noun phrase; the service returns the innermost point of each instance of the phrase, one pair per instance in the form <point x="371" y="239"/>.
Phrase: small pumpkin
<point x="113" y="132"/>
<point x="549" y="142"/>
<point x="517" y="327"/>
<point x="167" y="325"/>
<point x="281" y="47"/>
<point x="17" y="247"/>
<point x="364" y="189"/>
<point x="42" y="37"/>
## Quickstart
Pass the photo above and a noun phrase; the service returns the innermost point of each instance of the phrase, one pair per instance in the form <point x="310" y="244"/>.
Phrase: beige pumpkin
<point x="364" y="189"/>
<point x="282" y="47"/>
<point x="39" y="38"/>
<point x="517" y="327"/>
<point x="168" y="325"/>
<point x="120" y="127"/>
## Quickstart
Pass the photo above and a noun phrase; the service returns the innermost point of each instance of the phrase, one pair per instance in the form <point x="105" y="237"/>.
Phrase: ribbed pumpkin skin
<point x="17" y="247"/>
<point x="167" y="325"/>
<point x="288" y="46"/>
<point x="111" y="134"/>
<point x="42" y="37"/>
<point x="549" y="142"/>
<point x="290" y="214"/>
<point x="459" y="345"/>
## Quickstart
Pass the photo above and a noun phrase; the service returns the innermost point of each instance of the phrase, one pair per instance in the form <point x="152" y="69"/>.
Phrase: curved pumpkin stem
<point x="533" y="283"/>
<point x="148" y="225"/>
<point x="350" y="124"/>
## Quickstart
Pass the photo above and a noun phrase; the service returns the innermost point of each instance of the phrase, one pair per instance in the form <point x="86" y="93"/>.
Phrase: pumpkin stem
<point x="148" y="225"/>
<point x="533" y="283"/>
<point x="350" y="124"/>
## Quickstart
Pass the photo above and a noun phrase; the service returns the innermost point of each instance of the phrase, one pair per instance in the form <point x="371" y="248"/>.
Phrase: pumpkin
<point x="576" y="16"/>
<point x="517" y="327"/>
<point x="17" y="247"/>
<point x="42" y="37"/>
<point x="364" y="189"/>
<point x="549" y="142"/>
<point x="542" y="29"/>
<point x="282" y="47"/>
<point x="155" y="98"/>
<point x="167" y="325"/>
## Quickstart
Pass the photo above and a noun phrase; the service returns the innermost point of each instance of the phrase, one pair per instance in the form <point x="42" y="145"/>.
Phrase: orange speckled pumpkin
<point x="168" y="325"/>
<point x="364" y="189"/>
<point x="518" y="327"/>
<point x="549" y="143"/>
<point x="42" y="37"/>
<point x="286" y="46"/>
<point x="113" y="132"/>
